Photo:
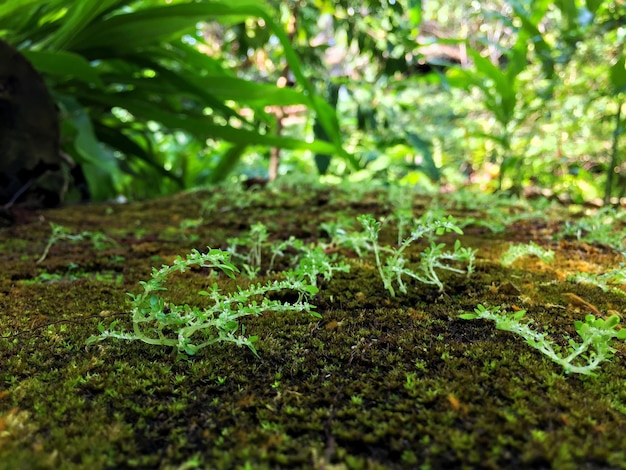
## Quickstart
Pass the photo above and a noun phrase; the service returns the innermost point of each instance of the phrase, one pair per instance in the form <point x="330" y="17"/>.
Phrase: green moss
<point x="376" y="383"/>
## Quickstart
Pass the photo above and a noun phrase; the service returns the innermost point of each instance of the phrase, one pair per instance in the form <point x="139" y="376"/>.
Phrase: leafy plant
<point x="583" y="357"/>
<point x="253" y="241"/>
<point x="600" y="227"/>
<point x="517" y="251"/>
<point x="307" y="262"/>
<point x="189" y="328"/>
<point x="141" y="94"/>
<point x="432" y="258"/>
<point x="316" y="262"/>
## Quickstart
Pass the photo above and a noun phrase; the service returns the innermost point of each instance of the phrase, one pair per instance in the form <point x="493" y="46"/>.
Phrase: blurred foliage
<point x="146" y="110"/>
<point x="507" y="95"/>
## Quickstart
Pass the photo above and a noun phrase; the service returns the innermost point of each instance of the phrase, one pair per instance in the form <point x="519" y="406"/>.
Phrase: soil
<point x="379" y="382"/>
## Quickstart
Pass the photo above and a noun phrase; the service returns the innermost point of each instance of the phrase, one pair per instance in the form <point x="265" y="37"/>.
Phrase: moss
<point x="376" y="383"/>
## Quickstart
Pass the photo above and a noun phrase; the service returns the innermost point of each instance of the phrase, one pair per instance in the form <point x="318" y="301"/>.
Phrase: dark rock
<point x="30" y="160"/>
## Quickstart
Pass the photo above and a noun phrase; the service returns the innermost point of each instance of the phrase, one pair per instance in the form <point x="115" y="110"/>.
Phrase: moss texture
<point x="378" y="383"/>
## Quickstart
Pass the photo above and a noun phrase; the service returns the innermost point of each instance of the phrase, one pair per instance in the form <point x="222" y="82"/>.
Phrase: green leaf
<point x="499" y="89"/>
<point x="468" y="316"/>
<point x="64" y="65"/>
<point x="311" y="289"/>
<point x="519" y="315"/>
<point x="204" y="129"/>
<point x="77" y="19"/>
<point x="156" y="24"/>
<point x="593" y="5"/>
<point x="617" y="75"/>
<point x="415" y="12"/>
<point x="227" y="162"/>
<point x="231" y="88"/>
<point x="325" y="113"/>
<point x="570" y="12"/>
<point x="428" y="166"/>
<point x="530" y="32"/>
<point x="611" y="322"/>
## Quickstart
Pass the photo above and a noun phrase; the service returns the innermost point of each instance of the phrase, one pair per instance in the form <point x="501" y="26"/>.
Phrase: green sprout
<point x="99" y="240"/>
<point x="308" y="262"/>
<point x="611" y="280"/>
<point x="315" y="263"/>
<point x="582" y="358"/>
<point x="358" y="242"/>
<point x="530" y="249"/>
<point x="602" y="227"/>
<point x="254" y="241"/>
<point x="432" y="258"/>
<point x="189" y="329"/>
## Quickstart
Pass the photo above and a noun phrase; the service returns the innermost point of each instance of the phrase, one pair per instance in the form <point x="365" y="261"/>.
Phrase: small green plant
<point x="315" y="262"/>
<point x="582" y="358"/>
<point x="72" y="274"/>
<point x="99" y="240"/>
<point x="280" y="249"/>
<point x="432" y="258"/>
<point x="600" y="227"/>
<point x="607" y="281"/>
<point x="340" y="234"/>
<point x="256" y="243"/>
<point x="189" y="224"/>
<point x="190" y="329"/>
<point x="253" y="241"/>
<point x="530" y="249"/>
<point x="307" y="262"/>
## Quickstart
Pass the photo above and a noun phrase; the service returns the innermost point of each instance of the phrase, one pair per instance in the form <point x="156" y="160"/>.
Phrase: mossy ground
<point x="377" y="383"/>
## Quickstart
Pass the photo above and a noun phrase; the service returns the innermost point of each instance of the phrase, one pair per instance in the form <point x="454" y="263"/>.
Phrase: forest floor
<point x="377" y="382"/>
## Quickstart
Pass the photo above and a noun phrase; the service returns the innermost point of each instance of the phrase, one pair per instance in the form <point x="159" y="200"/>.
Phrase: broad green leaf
<point x="78" y="17"/>
<point x="415" y="11"/>
<point x="12" y="7"/>
<point x="65" y="65"/>
<point x="593" y="5"/>
<point x="428" y="166"/>
<point x="116" y="139"/>
<point x="517" y="59"/>
<point x="245" y="91"/>
<point x="530" y="32"/>
<point x="611" y="322"/>
<point x="325" y="113"/>
<point x="227" y="162"/>
<point x="569" y="10"/>
<point x="204" y="128"/>
<point x="500" y="97"/>
<point x="618" y="75"/>
<point x="152" y="25"/>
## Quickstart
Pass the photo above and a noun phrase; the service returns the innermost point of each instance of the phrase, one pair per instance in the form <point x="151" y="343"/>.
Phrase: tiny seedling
<point x="531" y="249"/>
<point x="99" y="240"/>
<point x="314" y="263"/>
<point x="612" y="280"/>
<point x="432" y="258"/>
<point x="597" y="335"/>
<point x="340" y="236"/>
<point x="308" y="262"/>
<point x="253" y="241"/>
<point x="190" y="329"/>
<point x="602" y="227"/>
